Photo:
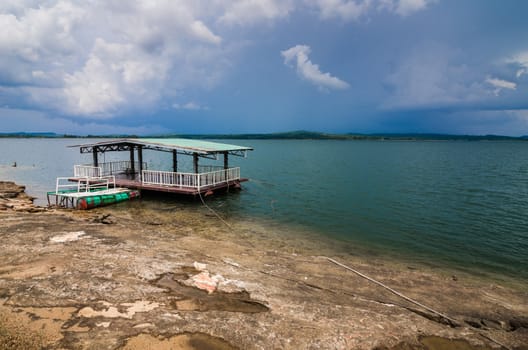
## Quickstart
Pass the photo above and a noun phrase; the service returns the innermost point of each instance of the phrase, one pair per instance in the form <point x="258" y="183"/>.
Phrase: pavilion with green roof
<point x="134" y="173"/>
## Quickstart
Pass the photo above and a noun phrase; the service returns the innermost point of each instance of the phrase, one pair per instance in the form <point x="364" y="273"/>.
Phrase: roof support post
<point x="174" y="160"/>
<point x="95" y="160"/>
<point x="195" y="162"/>
<point x="226" y="161"/>
<point x="140" y="160"/>
<point x="132" y="160"/>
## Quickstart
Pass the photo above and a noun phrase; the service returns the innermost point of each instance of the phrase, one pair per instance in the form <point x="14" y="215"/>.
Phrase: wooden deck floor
<point x="134" y="184"/>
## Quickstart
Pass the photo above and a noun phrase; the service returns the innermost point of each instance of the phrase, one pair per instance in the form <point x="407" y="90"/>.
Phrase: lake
<point x="452" y="204"/>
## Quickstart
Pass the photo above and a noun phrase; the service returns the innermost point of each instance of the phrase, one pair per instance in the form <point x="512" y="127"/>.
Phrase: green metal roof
<point x="182" y="145"/>
<point x="191" y="144"/>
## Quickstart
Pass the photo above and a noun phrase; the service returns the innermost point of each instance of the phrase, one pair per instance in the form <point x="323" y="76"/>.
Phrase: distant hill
<point x="291" y="135"/>
<point x="436" y="137"/>
<point x="29" y="134"/>
<point x="55" y="135"/>
<point x="312" y="135"/>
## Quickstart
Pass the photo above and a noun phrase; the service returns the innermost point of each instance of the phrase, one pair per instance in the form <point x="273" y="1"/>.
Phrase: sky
<point x="258" y="66"/>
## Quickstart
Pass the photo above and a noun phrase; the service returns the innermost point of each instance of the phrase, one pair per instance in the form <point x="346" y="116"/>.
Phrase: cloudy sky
<point x="236" y="66"/>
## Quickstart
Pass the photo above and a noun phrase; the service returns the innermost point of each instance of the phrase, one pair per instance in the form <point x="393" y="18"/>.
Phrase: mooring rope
<point x="451" y="321"/>
<point x="214" y="212"/>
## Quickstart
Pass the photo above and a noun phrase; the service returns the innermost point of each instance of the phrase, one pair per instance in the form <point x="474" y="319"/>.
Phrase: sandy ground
<point x="130" y="279"/>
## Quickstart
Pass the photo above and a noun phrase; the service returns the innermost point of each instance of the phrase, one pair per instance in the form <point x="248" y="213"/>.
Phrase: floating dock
<point x="88" y="192"/>
<point x="133" y="172"/>
<point x="104" y="183"/>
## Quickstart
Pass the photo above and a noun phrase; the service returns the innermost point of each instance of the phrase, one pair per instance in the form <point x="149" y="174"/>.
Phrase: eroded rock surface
<point x="14" y="197"/>
<point x="70" y="281"/>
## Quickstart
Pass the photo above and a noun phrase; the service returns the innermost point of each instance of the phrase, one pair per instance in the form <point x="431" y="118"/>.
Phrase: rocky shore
<point x="129" y="279"/>
<point x="14" y="197"/>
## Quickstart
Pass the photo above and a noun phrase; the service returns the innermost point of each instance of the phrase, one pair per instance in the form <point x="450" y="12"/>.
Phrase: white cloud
<point x="113" y="75"/>
<point x="520" y="60"/>
<point x="352" y="10"/>
<point x="191" y="106"/>
<point x="243" y="12"/>
<point x="201" y="31"/>
<point x="432" y="75"/>
<point x="101" y="59"/>
<point x="298" y="56"/>
<point x="437" y="76"/>
<point x="343" y="9"/>
<point x="43" y="30"/>
<point x="500" y="84"/>
<point x="408" y="7"/>
<point x="38" y="39"/>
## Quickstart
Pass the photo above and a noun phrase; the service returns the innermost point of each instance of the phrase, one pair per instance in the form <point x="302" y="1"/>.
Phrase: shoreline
<point x="338" y="244"/>
<point x="114" y="278"/>
<point x="299" y="238"/>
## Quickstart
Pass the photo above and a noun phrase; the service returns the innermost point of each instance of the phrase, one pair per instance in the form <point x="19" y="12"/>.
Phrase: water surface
<point x="461" y="205"/>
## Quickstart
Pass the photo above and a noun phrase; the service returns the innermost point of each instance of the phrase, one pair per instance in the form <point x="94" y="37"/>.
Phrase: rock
<point x="519" y="322"/>
<point x="106" y="219"/>
<point x="14" y="197"/>
<point x="200" y="266"/>
<point x="231" y="286"/>
<point x="114" y="312"/>
<point x="103" y="324"/>
<point x="203" y="281"/>
<point x="493" y="324"/>
<point x="68" y="237"/>
<point x="231" y="262"/>
<point x="144" y="325"/>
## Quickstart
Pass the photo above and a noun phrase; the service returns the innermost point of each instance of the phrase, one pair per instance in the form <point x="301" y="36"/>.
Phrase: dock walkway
<point x="193" y="191"/>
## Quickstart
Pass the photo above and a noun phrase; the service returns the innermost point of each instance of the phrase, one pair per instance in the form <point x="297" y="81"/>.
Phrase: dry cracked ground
<point x="132" y="279"/>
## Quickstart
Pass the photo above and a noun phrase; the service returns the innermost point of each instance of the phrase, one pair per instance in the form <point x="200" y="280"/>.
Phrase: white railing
<point x="86" y="171"/>
<point x="108" y="168"/>
<point x="209" y="168"/>
<point x="84" y="184"/>
<point x="120" y="167"/>
<point x="169" y="178"/>
<point x="215" y="177"/>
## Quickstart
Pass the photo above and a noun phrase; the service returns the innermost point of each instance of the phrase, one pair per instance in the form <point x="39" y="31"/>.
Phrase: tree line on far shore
<point x="291" y="135"/>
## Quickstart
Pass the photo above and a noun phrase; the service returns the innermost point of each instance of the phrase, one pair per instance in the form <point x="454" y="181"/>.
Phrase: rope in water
<point x="453" y="322"/>
<point x="214" y="212"/>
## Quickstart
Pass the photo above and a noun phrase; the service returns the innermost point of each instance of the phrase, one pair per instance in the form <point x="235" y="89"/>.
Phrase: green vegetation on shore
<point x="292" y="135"/>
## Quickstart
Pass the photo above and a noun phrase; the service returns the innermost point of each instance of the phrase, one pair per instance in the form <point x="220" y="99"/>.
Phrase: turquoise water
<point x="458" y="204"/>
